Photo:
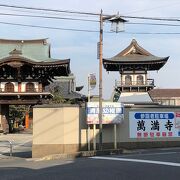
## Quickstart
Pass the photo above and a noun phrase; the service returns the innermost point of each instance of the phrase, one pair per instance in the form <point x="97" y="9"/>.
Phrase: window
<point x="128" y="80"/>
<point x="30" y="87"/>
<point x="171" y="102"/>
<point x="165" y="101"/>
<point x="140" y="80"/>
<point x="9" y="87"/>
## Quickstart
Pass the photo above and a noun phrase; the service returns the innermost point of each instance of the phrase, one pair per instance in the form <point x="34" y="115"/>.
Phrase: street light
<point x="115" y="20"/>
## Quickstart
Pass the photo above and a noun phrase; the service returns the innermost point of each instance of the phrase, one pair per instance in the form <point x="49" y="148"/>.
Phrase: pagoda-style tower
<point x="133" y="64"/>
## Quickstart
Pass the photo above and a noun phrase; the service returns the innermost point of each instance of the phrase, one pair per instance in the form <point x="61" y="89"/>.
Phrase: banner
<point x="92" y="81"/>
<point x="154" y="124"/>
<point x="112" y="113"/>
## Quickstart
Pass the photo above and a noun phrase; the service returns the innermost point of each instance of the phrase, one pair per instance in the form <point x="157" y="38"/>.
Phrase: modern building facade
<point x="166" y="96"/>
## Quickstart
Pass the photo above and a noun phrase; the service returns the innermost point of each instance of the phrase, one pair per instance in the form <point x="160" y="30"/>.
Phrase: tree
<point x="57" y="97"/>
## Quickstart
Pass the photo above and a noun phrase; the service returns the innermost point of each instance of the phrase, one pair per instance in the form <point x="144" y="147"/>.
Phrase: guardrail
<point x="10" y="145"/>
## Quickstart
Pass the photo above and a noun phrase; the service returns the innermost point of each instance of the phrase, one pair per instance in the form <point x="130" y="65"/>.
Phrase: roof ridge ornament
<point x="15" y="52"/>
<point x="134" y="41"/>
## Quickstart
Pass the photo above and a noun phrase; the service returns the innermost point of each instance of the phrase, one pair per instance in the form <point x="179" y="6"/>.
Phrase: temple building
<point x="67" y="89"/>
<point x="26" y="68"/>
<point x="133" y="64"/>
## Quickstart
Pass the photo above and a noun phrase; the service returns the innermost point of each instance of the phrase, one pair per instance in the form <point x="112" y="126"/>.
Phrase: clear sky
<point x="81" y="47"/>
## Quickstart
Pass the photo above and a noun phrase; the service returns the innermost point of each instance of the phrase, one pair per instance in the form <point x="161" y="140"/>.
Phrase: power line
<point x="47" y="13"/>
<point x="47" y="17"/>
<point x="86" y="30"/>
<point x="154" y="33"/>
<point x="150" y="9"/>
<point x="52" y="10"/>
<point x="48" y="27"/>
<point x="78" y="19"/>
<point x="153" y="24"/>
<point x="90" y="20"/>
<point x="86" y="13"/>
<point x="151" y="18"/>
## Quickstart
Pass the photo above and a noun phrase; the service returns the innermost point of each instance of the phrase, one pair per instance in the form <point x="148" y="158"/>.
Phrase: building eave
<point x="110" y="65"/>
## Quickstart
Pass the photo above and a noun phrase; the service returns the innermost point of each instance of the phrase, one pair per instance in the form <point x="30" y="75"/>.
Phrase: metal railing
<point x="9" y="145"/>
<point x="149" y="82"/>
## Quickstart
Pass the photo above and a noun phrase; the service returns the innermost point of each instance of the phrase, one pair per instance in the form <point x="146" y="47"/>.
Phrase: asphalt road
<point x="158" y="164"/>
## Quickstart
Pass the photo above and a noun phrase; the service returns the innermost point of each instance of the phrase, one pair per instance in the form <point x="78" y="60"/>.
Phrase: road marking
<point x="138" y="160"/>
<point x="150" y="154"/>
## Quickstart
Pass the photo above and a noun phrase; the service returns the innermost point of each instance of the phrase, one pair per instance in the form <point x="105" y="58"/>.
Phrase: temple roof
<point x="134" y="57"/>
<point x="36" y="49"/>
<point x="34" y="53"/>
<point x="23" y="60"/>
<point x="15" y="59"/>
<point x="66" y="88"/>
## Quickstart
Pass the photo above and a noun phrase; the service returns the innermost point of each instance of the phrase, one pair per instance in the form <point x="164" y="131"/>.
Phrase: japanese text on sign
<point x="112" y="113"/>
<point x="153" y="124"/>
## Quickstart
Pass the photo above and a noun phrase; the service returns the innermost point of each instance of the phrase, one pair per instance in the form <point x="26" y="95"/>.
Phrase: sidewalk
<point x="21" y="145"/>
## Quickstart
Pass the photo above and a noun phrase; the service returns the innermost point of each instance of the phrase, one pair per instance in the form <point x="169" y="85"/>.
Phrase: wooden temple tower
<point x="26" y="67"/>
<point x="133" y="64"/>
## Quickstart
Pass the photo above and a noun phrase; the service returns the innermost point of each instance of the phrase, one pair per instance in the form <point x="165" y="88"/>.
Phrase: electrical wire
<point x="154" y="33"/>
<point x="47" y="17"/>
<point x="39" y="12"/>
<point x="150" y="9"/>
<point x="48" y="27"/>
<point x="151" y="18"/>
<point x="52" y="10"/>
<point x="86" y="30"/>
<point x="81" y="19"/>
<point x="86" y="13"/>
<point x="152" y="24"/>
<point x="77" y="19"/>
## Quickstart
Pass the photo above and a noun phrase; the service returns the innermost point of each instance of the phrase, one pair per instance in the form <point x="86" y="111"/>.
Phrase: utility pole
<point x="116" y="20"/>
<point x="100" y="79"/>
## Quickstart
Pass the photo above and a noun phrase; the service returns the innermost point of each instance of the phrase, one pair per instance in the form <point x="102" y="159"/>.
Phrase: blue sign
<point x="154" y="115"/>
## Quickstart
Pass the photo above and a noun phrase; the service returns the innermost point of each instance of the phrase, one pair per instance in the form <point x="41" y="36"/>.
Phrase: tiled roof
<point x="155" y="93"/>
<point x="134" y="55"/>
<point x="36" y="49"/>
<point x="28" y="60"/>
<point x="64" y="90"/>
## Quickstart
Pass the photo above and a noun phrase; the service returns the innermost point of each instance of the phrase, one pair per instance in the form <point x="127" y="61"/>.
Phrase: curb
<point x="80" y="154"/>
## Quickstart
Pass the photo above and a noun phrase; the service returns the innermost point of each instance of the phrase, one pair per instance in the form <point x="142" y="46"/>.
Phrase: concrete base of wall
<point x="146" y="145"/>
<point x="47" y="149"/>
<point x="39" y="151"/>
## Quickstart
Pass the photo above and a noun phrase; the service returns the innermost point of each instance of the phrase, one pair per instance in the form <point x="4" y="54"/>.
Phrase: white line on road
<point x="138" y="160"/>
<point x="150" y="154"/>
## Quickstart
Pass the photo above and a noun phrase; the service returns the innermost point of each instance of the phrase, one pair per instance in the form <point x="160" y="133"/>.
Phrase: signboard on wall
<point x="154" y="124"/>
<point x="112" y="113"/>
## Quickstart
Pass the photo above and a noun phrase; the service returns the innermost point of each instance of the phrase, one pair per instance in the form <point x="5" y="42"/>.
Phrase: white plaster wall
<point x="36" y="85"/>
<point x="15" y="86"/>
<point x="23" y="86"/>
